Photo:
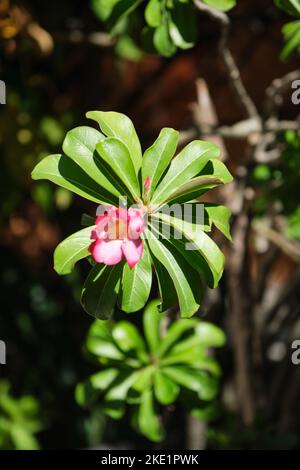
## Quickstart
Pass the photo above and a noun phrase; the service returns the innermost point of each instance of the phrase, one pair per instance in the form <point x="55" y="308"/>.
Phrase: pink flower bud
<point x="147" y="183"/>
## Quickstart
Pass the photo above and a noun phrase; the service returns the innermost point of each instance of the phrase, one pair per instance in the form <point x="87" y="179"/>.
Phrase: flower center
<point x="117" y="230"/>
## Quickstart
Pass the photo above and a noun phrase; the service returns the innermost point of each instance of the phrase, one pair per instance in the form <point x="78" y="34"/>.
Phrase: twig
<point x="229" y="62"/>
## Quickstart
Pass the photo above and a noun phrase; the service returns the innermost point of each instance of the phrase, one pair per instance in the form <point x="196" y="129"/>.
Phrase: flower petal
<point x="133" y="251"/>
<point x="107" y="251"/>
<point x="136" y="224"/>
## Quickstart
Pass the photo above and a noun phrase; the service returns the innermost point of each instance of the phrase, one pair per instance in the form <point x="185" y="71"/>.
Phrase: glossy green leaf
<point x="80" y="145"/>
<point x="167" y="291"/>
<point x="165" y="389"/>
<point x="182" y="275"/>
<point x="220" y="217"/>
<point x="100" y="341"/>
<point x="198" y="241"/>
<point x="120" y="126"/>
<point x="116" y="156"/>
<point x="188" y="163"/>
<point x="71" y="250"/>
<point x="62" y="171"/>
<point x="100" y="290"/>
<point x="151" y="322"/>
<point x="193" y="189"/>
<point x="136" y="284"/>
<point x="157" y="157"/>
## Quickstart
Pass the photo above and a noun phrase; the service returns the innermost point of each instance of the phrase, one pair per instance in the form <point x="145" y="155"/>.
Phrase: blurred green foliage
<point x="19" y="420"/>
<point x="151" y="372"/>
<point x="277" y="184"/>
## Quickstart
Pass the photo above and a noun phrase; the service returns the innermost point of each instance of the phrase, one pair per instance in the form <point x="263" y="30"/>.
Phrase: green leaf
<point x="166" y="286"/>
<point x="223" y="5"/>
<point x="103" y="8"/>
<point x="121" y="10"/>
<point x="120" y="126"/>
<point x="153" y="13"/>
<point x="128" y="49"/>
<point x="291" y="33"/>
<point x="157" y="157"/>
<point x="118" y="392"/>
<point x="174" y="333"/>
<point x="193" y="189"/>
<point x="117" y="157"/>
<point x="100" y="341"/>
<point x="62" y="171"/>
<point x="188" y="163"/>
<point x="80" y="145"/>
<point x="220" y="217"/>
<point x="89" y="391"/>
<point x="128" y="339"/>
<point x="193" y="356"/>
<point x="209" y="334"/>
<point x="136" y="283"/>
<point x="100" y="290"/>
<point x="200" y="241"/>
<point x="165" y="389"/>
<point x="151" y="322"/>
<point x="148" y="422"/>
<point x="162" y="40"/>
<point x="182" y="275"/>
<point x="71" y="250"/>
<point x="195" y="380"/>
<point x="143" y="380"/>
<point x="292" y="7"/>
<point x="183" y="26"/>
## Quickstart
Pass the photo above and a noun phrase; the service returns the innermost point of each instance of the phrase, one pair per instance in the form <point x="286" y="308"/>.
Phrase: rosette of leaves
<point x="166" y="24"/>
<point x="291" y="30"/>
<point x="19" y="420"/>
<point x="105" y="165"/>
<point x="145" y="373"/>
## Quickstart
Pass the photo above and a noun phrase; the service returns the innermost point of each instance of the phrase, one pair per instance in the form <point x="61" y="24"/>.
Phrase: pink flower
<point x="117" y="234"/>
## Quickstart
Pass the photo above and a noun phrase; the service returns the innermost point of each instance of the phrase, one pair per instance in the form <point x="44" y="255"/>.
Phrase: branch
<point x="228" y="60"/>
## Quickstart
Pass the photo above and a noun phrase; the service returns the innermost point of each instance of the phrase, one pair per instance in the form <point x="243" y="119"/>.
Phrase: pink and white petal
<point x="136" y="225"/>
<point x="133" y="251"/>
<point x="107" y="251"/>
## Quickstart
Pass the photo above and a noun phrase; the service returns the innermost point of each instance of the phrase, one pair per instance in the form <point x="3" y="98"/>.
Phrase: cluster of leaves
<point x="291" y="30"/>
<point x="278" y="184"/>
<point x="19" y="420"/>
<point x="165" y="24"/>
<point x="106" y="166"/>
<point x="146" y="374"/>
